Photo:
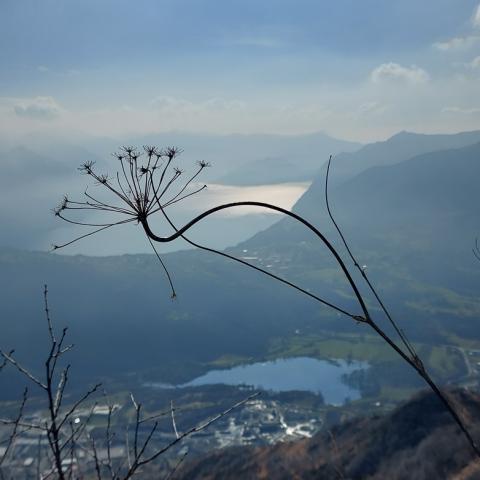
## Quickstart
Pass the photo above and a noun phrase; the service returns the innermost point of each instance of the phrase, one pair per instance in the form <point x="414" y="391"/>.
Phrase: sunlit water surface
<point x="301" y="373"/>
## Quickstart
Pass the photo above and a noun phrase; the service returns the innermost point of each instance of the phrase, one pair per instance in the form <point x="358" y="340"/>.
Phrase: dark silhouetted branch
<point x="141" y="191"/>
<point x="411" y="357"/>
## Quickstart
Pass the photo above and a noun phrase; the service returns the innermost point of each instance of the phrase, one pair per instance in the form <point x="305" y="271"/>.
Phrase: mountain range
<point x="420" y="213"/>
<point x="399" y="147"/>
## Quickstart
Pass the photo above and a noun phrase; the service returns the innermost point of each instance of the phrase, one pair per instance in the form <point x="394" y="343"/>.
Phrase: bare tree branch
<point x="173" y="420"/>
<point x="47" y="314"/>
<point x="12" y="437"/>
<point x="23" y="370"/>
<point x="79" y="402"/>
<point x="5" y="361"/>
<point x="198" y="428"/>
<point x="176" y="466"/>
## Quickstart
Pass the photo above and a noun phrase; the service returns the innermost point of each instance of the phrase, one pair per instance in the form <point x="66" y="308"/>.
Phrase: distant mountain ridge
<point x="294" y="158"/>
<point x="434" y="193"/>
<point x="444" y="180"/>
<point x="399" y="147"/>
<point x="42" y="169"/>
<point x="410" y="223"/>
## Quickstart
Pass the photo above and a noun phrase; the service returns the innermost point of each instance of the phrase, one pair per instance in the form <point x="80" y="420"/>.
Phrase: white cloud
<point x="221" y="104"/>
<point x="166" y="103"/>
<point x="70" y="72"/>
<point x="463" y="111"/>
<point x="261" y="42"/>
<point x="371" y="108"/>
<point x="457" y="43"/>
<point x="179" y="106"/>
<point x="394" y="72"/>
<point x="475" y="63"/>
<point x="476" y="17"/>
<point x="41" y="108"/>
<point x="462" y="43"/>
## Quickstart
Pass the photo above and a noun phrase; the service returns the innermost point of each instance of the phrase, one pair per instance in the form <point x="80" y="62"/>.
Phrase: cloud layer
<point x="354" y="69"/>
<point x="38" y="108"/>
<point x="387" y="72"/>
<point x="458" y="43"/>
<point x="476" y="17"/>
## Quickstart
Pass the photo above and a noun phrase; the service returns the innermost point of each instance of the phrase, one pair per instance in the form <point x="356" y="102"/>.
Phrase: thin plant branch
<point x="13" y="435"/>
<point x="198" y="428"/>
<point x="363" y="272"/>
<point x="414" y="360"/>
<point x="22" y="369"/>
<point x="173" y="420"/>
<point x="171" y="473"/>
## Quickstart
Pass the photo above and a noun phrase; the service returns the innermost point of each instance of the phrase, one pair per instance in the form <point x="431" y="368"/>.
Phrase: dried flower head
<point x="87" y="167"/>
<point x="203" y="164"/>
<point x="139" y="189"/>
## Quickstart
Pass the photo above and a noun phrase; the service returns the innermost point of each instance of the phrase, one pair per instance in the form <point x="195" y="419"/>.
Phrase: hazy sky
<point x="357" y="69"/>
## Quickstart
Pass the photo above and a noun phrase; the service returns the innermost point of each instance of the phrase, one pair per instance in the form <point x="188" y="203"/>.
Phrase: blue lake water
<point x="301" y="373"/>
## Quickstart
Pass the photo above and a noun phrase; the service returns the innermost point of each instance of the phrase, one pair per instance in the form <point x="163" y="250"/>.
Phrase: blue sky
<point x="357" y="69"/>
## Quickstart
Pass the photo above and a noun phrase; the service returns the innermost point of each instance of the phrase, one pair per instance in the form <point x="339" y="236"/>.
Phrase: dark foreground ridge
<point x="416" y="441"/>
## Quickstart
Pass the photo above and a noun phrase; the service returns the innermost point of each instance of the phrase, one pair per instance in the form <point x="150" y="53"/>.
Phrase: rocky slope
<point x="417" y="441"/>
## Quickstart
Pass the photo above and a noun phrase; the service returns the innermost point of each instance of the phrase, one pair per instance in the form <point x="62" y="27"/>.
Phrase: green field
<point x="389" y="378"/>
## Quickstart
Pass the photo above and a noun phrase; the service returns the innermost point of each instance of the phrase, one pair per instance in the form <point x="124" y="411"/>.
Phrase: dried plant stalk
<point x="147" y="184"/>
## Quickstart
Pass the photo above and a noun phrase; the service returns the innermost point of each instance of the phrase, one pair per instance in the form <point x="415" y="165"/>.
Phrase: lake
<point x="300" y="373"/>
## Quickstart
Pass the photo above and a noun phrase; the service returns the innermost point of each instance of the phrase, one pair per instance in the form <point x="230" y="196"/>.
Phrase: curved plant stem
<point x="402" y="336"/>
<point x="142" y="197"/>
<point x="268" y="206"/>
<point x="253" y="267"/>
<point x="366" y="318"/>
<point x="414" y="360"/>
